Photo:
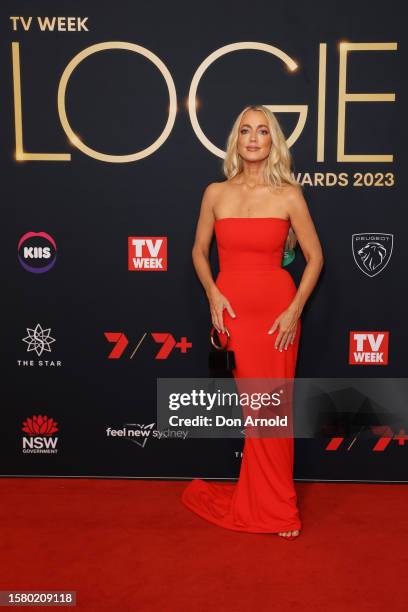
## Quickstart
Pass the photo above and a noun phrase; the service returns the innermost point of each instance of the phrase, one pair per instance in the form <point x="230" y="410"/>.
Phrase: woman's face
<point x="254" y="137"/>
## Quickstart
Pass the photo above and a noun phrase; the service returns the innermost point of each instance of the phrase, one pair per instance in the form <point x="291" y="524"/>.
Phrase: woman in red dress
<point x="257" y="213"/>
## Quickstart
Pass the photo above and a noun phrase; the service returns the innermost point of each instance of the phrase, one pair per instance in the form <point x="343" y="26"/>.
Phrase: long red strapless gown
<point x="251" y="277"/>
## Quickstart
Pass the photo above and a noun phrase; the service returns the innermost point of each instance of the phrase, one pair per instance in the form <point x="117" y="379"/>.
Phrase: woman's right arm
<point x="200" y="255"/>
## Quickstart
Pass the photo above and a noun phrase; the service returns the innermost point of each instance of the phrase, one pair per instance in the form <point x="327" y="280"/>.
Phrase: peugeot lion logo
<point x="372" y="252"/>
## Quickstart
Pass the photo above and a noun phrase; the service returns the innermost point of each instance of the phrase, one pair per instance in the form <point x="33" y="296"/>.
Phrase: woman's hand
<point x="218" y="302"/>
<point x="287" y="322"/>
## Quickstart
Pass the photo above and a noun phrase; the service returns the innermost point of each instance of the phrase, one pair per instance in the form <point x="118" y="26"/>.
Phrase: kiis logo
<point x="368" y="348"/>
<point x="147" y="254"/>
<point x="39" y="341"/>
<point x="166" y="339"/>
<point x="37" y="252"/>
<point x="40" y="430"/>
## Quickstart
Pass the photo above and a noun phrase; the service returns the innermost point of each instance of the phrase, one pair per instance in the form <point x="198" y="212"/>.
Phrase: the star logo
<point x="39" y="340"/>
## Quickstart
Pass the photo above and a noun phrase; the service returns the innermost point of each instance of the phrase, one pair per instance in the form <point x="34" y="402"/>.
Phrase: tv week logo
<point x="40" y="439"/>
<point x="147" y="253"/>
<point x="368" y="348"/>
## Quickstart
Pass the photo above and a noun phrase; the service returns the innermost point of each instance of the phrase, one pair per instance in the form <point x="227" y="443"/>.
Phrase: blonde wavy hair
<point x="278" y="166"/>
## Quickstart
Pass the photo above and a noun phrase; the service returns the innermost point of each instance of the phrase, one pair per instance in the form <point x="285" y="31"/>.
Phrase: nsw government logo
<point x="40" y="439"/>
<point x="372" y="252"/>
<point x="37" y="252"/>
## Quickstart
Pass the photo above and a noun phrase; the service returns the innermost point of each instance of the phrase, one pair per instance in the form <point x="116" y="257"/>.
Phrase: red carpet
<point x="127" y="545"/>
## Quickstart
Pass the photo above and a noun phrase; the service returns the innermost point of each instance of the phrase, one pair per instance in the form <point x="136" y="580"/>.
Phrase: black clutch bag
<point x="220" y="359"/>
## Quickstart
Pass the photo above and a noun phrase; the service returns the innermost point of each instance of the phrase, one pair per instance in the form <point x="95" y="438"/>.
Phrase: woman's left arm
<point x="309" y="242"/>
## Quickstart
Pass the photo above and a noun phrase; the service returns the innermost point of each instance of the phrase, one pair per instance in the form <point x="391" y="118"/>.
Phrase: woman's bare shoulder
<point x="213" y="193"/>
<point x="291" y="193"/>
<point x="289" y="189"/>
<point x="293" y="190"/>
<point x="217" y="185"/>
<point x="214" y="190"/>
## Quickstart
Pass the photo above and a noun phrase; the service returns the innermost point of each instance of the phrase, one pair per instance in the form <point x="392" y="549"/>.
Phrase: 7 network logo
<point x="167" y="340"/>
<point x="384" y="441"/>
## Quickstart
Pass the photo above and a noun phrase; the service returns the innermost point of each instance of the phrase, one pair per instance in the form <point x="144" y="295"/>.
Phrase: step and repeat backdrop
<point x="113" y="120"/>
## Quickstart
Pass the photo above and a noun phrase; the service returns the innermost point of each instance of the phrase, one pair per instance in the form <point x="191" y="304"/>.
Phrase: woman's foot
<point x="289" y="534"/>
